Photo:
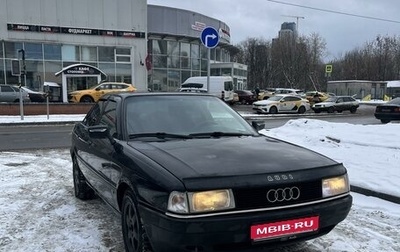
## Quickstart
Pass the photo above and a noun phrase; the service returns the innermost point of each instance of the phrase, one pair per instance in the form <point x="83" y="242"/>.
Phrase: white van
<point x="220" y="86"/>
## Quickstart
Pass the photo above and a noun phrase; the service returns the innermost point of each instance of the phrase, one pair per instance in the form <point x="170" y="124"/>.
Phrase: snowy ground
<point x="38" y="211"/>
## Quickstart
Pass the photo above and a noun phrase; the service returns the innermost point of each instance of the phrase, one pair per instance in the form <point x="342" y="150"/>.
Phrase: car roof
<point x="134" y="94"/>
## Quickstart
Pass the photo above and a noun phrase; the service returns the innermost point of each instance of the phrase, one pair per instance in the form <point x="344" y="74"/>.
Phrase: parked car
<point x="337" y="103"/>
<point x="265" y="94"/>
<point x="35" y="96"/>
<point x="10" y="93"/>
<point x="282" y="104"/>
<point x="246" y="96"/>
<point x="181" y="168"/>
<point x="93" y="94"/>
<point x="389" y="111"/>
<point x="291" y="91"/>
<point x="316" y="96"/>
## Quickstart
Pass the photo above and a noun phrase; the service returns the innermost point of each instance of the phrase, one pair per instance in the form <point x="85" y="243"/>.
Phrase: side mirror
<point x="258" y="125"/>
<point x="102" y="131"/>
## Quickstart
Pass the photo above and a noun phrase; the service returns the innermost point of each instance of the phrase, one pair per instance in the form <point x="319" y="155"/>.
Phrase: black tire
<point x="302" y="110"/>
<point x="135" y="238"/>
<point x="385" y="121"/>
<point x="273" y="110"/>
<point x="331" y="110"/>
<point x="86" y="99"/>
<point x="82" y="190"/>
<point x="353" y="110"/>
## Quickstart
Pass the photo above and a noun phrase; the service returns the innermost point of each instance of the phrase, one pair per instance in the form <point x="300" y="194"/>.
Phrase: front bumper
<point x="387" y="116"/>
<point x="260" y="109"/>
<point x="227" y="232"/>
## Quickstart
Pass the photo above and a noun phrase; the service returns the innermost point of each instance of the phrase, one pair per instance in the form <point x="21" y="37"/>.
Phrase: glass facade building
<point x="152" y="47"/>
<point x="44" y="60"/>
<point x="172" y="62"/>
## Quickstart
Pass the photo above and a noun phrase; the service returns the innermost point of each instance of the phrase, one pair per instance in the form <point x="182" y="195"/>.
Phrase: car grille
<point x="251" y="198"/>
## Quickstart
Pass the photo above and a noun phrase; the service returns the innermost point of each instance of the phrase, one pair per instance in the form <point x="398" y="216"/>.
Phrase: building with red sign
<point x="80" y="43"/>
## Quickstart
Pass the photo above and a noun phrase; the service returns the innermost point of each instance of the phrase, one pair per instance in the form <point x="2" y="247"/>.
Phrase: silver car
<point x="337" y="103"/>
<point x="10" y="93"/>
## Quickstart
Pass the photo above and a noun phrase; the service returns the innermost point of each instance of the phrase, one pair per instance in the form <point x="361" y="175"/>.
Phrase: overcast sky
<point x="263" y="18"/>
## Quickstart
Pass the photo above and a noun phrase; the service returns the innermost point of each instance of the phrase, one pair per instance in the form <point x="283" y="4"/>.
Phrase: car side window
<point x="93" y="116"/>
<point x="109" y="116"/>
<point x="7" y="89"/>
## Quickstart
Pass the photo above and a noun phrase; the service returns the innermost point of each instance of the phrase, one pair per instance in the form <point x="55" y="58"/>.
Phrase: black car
<point x="246" y="96"/>
<point x="389" y="111"/>
<point x="187" y="173"/>
<point x="35" y="96"/>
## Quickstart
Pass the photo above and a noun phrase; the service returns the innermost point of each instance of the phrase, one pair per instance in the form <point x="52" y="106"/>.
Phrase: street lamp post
<point x="22" y="74"/>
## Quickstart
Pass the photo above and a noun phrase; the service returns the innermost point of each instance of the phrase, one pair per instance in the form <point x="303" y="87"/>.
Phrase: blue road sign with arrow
<point x="209" y="37"/>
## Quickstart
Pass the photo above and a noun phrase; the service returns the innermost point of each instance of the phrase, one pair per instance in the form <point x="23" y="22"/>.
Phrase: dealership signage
<point x="82" y="69"/>
<point x="74" y="30"/>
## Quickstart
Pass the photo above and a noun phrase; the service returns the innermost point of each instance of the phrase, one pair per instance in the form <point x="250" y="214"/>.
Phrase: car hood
<point x="229" y="156"/>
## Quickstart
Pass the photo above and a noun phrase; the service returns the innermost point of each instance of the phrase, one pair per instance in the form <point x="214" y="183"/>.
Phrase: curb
<point x="22" y="124"/>
<point x="379" y="195"/>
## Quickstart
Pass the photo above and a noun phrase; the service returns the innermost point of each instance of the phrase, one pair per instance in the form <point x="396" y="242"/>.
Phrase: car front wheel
<point x="135" y="238"/>
<point x="87" y="99"/>
<point x="385" y="121"/>
<point x="273" y="110"/>
<point x="302" y="110"/>
<point x="81" y="188"/>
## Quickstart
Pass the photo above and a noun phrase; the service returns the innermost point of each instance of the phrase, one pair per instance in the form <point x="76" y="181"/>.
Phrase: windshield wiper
<point x="219" y="134"/>
<point x="160" y="135"/>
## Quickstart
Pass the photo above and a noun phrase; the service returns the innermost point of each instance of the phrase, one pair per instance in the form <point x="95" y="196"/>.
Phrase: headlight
<point x="335" y="186"/>
<point x="195" y="202"/>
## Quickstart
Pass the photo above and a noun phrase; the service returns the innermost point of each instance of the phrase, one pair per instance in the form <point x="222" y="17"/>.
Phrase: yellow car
<point x="316" y="96"/>
<point x="93" y="94"/>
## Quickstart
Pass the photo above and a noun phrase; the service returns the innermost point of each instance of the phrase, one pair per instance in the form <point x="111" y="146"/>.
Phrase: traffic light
<point x="15" y="68"/>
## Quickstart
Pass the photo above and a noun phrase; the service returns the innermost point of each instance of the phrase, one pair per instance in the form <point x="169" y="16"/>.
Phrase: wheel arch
<point x="86" y="96"/>
<point x="122" y="188"/>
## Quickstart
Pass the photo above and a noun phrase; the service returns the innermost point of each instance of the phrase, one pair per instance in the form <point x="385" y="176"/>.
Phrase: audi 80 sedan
<point x="187" y="173"/>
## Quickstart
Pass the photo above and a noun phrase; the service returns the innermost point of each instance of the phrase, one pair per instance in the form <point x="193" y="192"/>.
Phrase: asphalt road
<point x="28" y="137"/>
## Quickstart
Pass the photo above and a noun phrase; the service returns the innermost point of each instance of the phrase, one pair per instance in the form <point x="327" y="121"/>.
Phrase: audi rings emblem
<point x="283" y="194"/>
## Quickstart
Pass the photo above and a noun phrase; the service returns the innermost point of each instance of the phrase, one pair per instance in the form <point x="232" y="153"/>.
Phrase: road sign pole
<point x="210" y="39"/>
<point x="21" y="102"/>
<point x="208" y="69"/>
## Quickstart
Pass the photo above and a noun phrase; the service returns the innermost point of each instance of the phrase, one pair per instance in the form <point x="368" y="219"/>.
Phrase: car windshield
<point x="169" y="116"/>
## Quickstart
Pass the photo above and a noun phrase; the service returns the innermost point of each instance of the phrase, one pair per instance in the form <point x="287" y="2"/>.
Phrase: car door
<point x="101" y="90"/>
<point x="287" y="104"/>
<point x="347" y="103"/>
<point x="8" y="94"/>
<point x="340" y="105"/>
<point x="102" y="171"/>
